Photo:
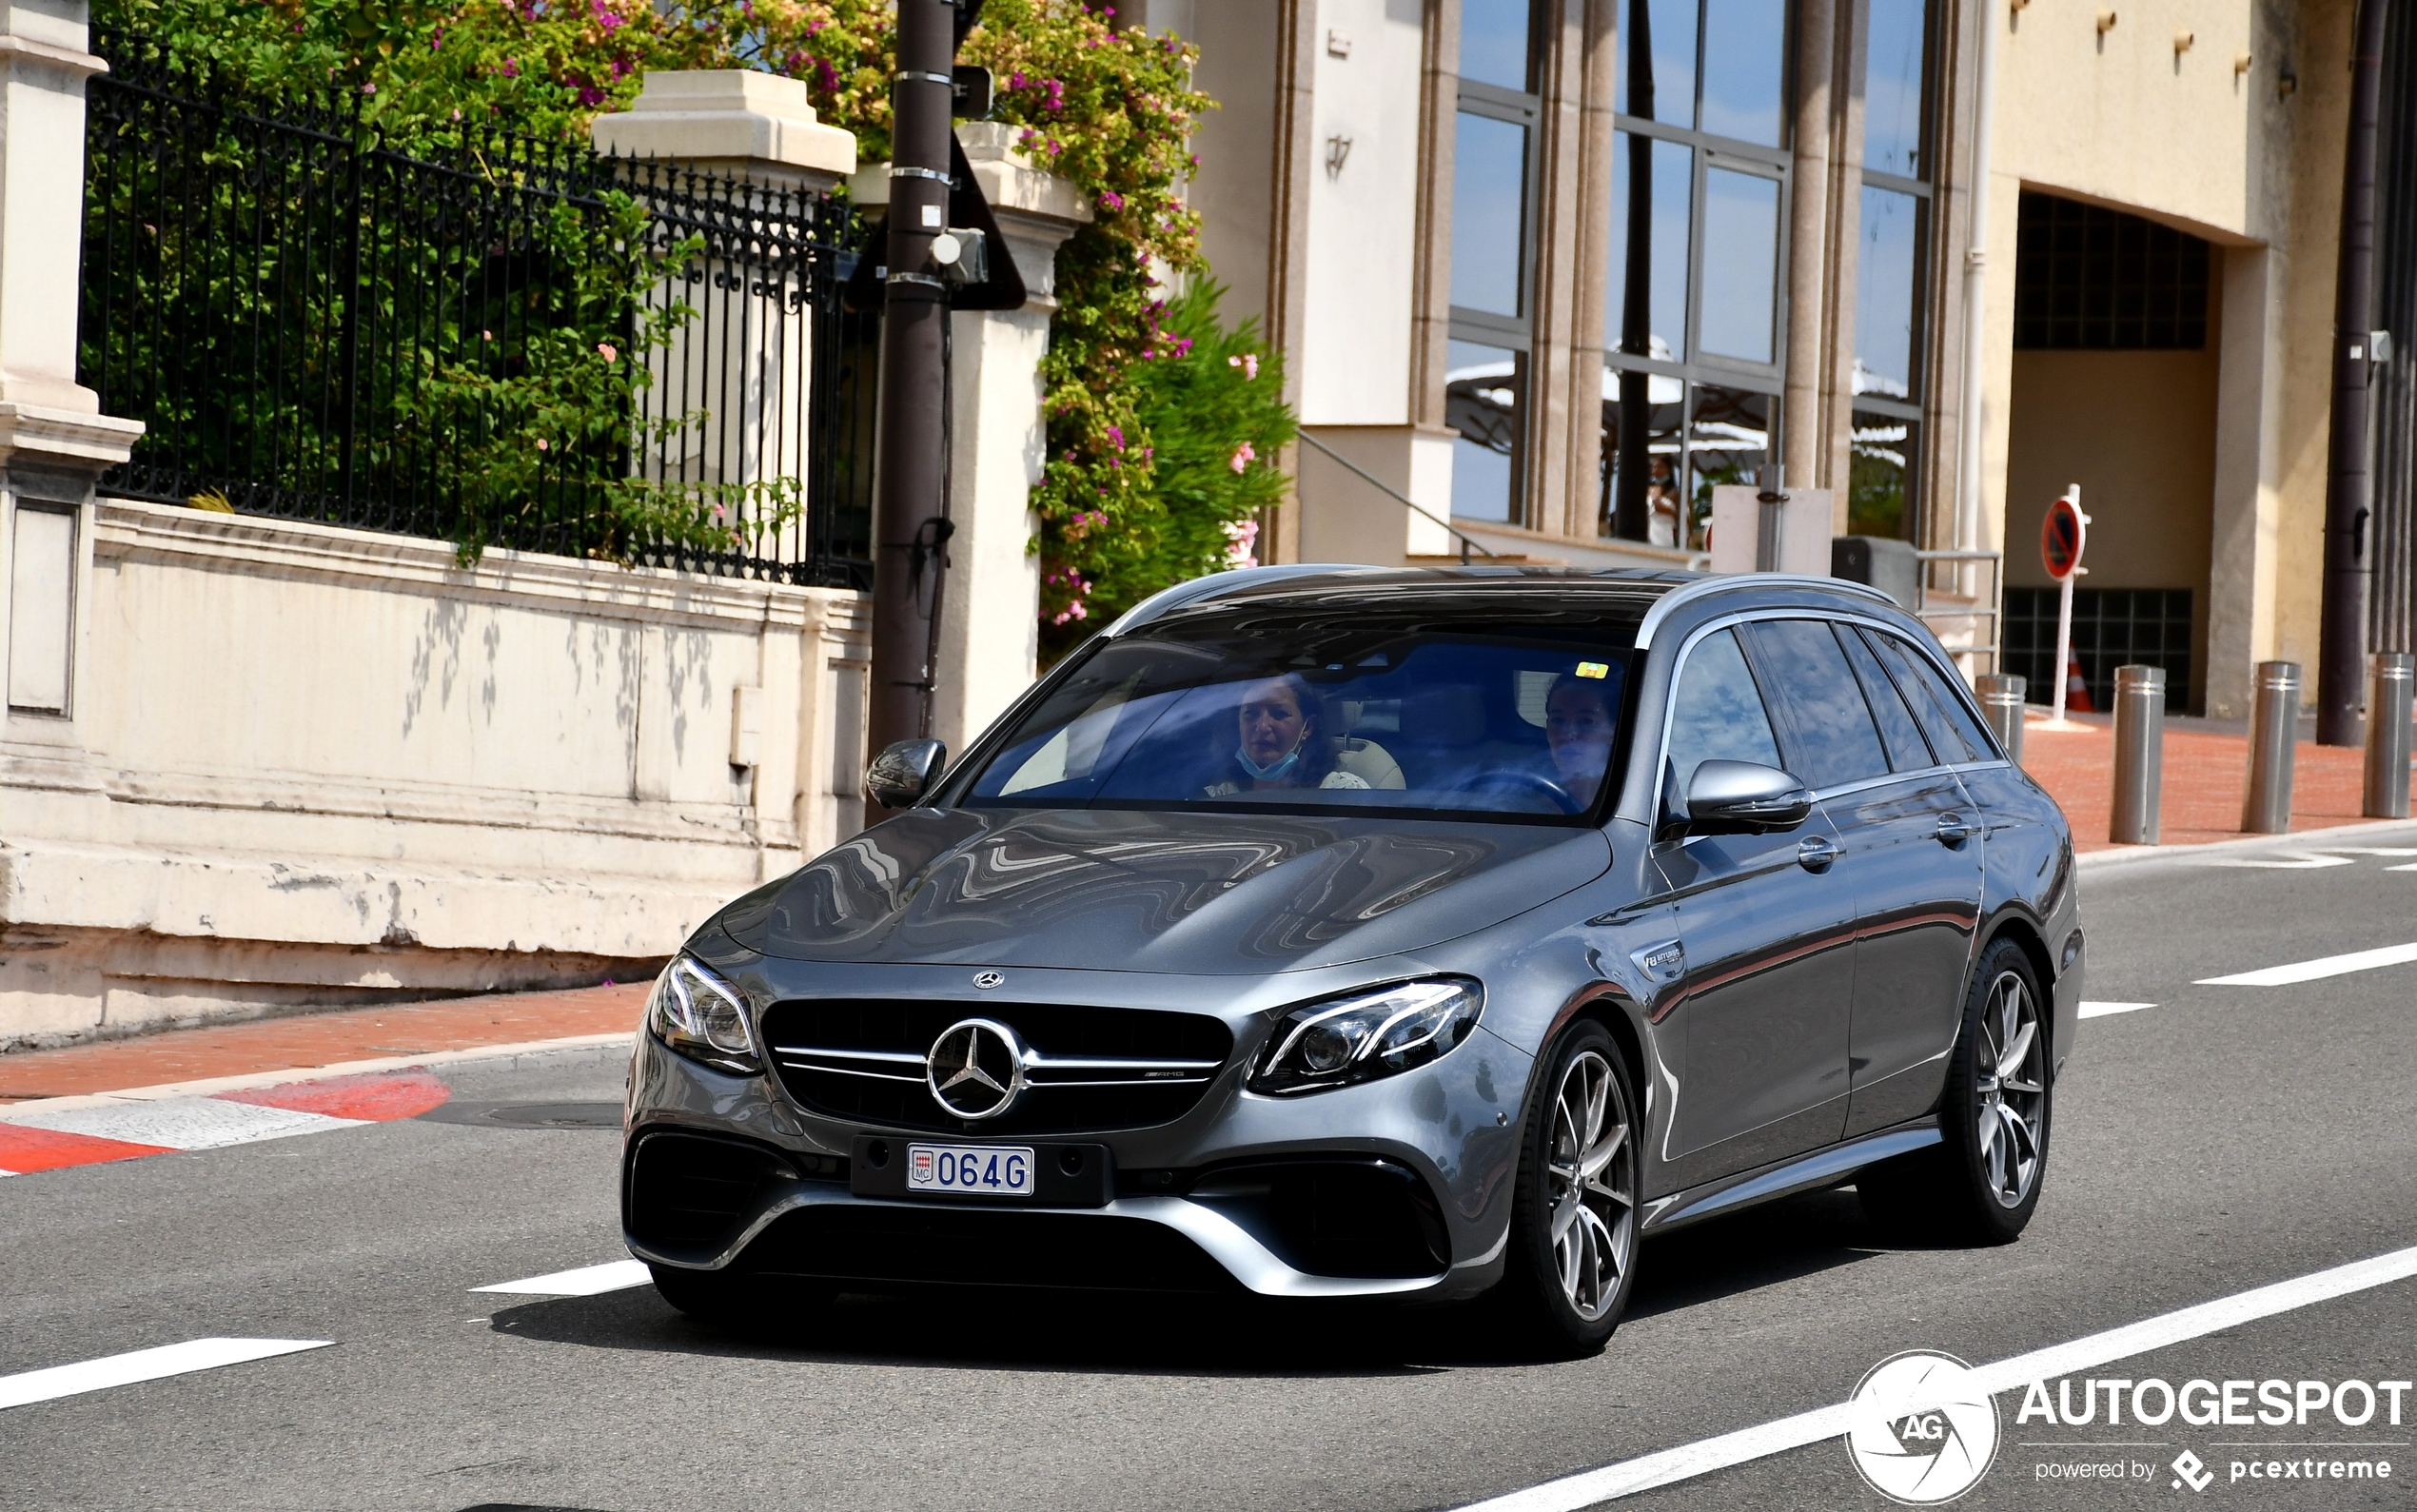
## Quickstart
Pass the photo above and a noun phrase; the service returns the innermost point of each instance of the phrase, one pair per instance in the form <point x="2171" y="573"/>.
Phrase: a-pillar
<point x="990" y="612"/>
<point x="54" y="441"/>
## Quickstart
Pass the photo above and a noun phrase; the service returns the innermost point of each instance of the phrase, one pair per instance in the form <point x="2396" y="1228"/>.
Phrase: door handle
<point x="1954" y="829"/>
<point x="1815" y="854"/>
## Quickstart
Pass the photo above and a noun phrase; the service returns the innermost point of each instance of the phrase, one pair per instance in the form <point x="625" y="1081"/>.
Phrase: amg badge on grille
<point x="975" y="1069"/>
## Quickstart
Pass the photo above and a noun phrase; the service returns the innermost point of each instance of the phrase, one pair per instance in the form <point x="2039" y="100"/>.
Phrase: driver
<point x="1283" y="742"/>
<point x="1578" y="724"/>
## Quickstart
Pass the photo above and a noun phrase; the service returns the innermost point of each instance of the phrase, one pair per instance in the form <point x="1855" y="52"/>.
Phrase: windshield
<point x="1411" y="721"/>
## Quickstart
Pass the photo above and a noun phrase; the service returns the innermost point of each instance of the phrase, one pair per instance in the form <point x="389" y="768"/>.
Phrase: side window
<point x="1907" y="750"/>
<point x="1953" y="730"/>
<point x="1717" y="713"/>
<point x="1836" y="741"/>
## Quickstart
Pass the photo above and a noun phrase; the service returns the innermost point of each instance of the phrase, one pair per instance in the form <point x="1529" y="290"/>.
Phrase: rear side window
<point x="1953" y="731"/>
<point x="1717" y="715"/>
<point x="1907" y="750"/>
<point x="1836" y="741"/>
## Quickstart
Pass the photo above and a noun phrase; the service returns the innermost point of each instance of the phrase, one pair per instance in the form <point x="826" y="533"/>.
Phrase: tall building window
<point x="1493" y="257"/>
<point x="1693" y="326"/>
<point x="1890" y="272"/>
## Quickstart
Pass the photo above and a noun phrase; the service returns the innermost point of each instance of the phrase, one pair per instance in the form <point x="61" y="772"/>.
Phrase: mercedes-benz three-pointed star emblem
<point x="975" y="1069"/>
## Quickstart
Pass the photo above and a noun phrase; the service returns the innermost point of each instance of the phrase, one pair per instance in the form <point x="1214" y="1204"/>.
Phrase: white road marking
<point x="588" y="1280"/>
<point x="1705" y="1456"/>
<point x="2322" y="966"/>
<point x="2102" y="1009"/>
<point x="143" y="1364"/>
<point x="183" y="1123"/>
<point x="2328" y="855"/>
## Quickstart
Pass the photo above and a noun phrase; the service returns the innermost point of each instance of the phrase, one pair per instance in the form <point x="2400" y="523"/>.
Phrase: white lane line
<point x="2328" y="855"/>
<point x="588" y="1280"/>
<point x="1705" y="1456"/>
<point x="2322" y="966"/>
<point x="143" y="1364"/>
<point x="2102" y="1009"/>
<point x="183" y="1123"/>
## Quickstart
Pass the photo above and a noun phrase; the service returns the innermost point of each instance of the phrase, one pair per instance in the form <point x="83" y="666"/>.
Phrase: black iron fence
<point x="499" y="343"/>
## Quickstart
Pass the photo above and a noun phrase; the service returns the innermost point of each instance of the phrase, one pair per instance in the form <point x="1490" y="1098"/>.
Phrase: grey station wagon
<point x="1320" y="932"/>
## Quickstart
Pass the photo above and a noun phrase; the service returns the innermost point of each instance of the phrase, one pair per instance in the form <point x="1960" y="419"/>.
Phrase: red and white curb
<point x="55" y="1132"/>
<point x="45" y="1139"/>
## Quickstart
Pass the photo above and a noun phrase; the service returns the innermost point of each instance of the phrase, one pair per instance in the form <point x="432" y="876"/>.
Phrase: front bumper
<point x="1214" y="1201"/>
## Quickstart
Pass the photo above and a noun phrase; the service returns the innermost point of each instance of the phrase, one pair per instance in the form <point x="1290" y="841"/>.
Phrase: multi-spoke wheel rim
<point x="2012" y="1091"/>
<point x="1593" y="1189"/>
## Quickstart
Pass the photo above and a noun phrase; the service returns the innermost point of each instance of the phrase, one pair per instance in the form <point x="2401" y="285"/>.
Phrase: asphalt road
<point x="2226" y="1138"/>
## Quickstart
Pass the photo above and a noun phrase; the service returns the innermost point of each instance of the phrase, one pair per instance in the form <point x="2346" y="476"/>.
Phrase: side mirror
<point x="1744" y="797"/>
<point x="899" y="777"/>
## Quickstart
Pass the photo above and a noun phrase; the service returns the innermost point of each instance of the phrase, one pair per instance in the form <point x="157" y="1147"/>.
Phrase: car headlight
<point x="1359" y="1038"/>
<point x="703" y="1017"/>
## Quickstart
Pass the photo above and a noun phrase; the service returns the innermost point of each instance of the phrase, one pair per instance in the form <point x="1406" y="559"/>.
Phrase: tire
<point x="1981" y="1184"/>
<point x="1572" y="1258"/>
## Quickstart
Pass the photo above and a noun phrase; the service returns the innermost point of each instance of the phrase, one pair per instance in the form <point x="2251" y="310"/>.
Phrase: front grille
<point x="1087" y="1068"/>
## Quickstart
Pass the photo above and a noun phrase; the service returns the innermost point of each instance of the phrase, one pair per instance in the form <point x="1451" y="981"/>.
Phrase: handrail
<point x="1382" y="487"/>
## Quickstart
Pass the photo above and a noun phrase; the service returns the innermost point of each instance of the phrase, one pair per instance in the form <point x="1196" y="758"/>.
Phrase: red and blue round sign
<point x="2061" y="537"/>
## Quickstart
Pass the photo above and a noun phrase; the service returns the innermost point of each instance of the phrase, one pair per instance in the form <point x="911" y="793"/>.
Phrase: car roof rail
<point x="1671" y="603"/>
<point x="1216" y="584"/>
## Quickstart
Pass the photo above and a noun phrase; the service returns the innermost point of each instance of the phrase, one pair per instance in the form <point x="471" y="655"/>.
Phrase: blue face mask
<point x="1273" y="770"/>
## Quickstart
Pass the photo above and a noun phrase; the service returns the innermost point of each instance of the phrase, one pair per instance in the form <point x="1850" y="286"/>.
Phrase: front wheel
<point x="1573" y="1242"/>
<point x="1981" y="1184"/>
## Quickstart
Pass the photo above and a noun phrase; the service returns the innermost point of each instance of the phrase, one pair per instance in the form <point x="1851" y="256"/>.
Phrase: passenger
<point x="1579" y="724"/>
<point x="1283" y="743"/>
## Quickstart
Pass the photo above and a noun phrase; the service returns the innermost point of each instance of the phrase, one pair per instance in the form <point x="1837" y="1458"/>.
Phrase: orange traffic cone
<point x="2076" y="688"/>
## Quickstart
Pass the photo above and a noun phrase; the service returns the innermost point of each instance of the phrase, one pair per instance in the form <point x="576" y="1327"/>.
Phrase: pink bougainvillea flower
<point x="1242" y="458"/>
<point x="1116" y="437"/>
<point x="542" y="444"/>
<point x="1249" y="365"/>
<point x="608" y="351"/>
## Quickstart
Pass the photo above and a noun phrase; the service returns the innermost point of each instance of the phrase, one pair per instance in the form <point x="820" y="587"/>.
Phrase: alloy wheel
<point x="1592" y="1187"/>
<point x="2011" y="1084"/>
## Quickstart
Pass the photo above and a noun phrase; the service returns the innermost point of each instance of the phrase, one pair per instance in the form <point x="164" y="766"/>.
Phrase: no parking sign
<point x="2061" y="537"/>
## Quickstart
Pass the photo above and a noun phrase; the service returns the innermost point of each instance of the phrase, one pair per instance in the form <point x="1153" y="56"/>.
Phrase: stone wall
<point x="319" y="765"/>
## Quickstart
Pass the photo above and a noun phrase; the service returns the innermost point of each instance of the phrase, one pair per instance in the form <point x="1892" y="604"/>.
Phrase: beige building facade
<point x="1557" y="269"/>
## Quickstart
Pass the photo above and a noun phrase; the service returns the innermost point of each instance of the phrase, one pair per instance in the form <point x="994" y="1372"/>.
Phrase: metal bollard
<point x="2387" y="713"/>
<point x="2274" y="733"/>
<point x="2001" y="696"/>
<point x="2140" y="766"/>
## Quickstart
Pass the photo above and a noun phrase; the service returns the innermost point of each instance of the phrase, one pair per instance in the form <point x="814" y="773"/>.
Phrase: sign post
<point x="2060" y="541"/>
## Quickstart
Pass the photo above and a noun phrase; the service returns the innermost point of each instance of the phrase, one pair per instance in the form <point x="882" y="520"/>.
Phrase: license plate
<point x="985" y="1171"/>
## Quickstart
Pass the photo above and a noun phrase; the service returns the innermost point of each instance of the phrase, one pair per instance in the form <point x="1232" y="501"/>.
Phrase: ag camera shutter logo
<point x="1923" y="1433"/>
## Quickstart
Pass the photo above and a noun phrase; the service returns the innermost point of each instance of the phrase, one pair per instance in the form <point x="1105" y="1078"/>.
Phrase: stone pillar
<point x="54" y="441"/>
<point x="990" y="629"/>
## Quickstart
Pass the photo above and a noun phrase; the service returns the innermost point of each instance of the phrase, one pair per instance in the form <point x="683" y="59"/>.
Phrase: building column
<point x="54" y="441"/>
<point x="2248" y="506"/>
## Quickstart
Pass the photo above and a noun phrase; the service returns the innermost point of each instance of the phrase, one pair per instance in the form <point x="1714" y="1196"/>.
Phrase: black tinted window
<point x="1834" y="742"/>
<point x="1907" y="750"/>
<point x="1953" y="731"/>
<point x="1718" y="713"/>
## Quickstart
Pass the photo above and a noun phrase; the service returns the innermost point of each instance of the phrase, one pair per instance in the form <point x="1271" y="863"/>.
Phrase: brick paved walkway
<point x="2207" y="775"/>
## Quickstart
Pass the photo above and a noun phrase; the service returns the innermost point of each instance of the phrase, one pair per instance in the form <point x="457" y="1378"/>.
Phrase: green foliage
<point x="1209" y="407"/>
<point x="1110" y="111"/>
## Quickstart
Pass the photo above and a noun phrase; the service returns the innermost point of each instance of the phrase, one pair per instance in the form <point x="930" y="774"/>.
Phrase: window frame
<point x="1922" y="188"/>
<point x="1834" y="618"/>
<point x="1693" y="369"/>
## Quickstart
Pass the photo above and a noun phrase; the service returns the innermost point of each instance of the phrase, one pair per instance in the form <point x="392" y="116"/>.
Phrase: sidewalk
<point x="2206" y="776"/>
<point x="317" y="1041"/>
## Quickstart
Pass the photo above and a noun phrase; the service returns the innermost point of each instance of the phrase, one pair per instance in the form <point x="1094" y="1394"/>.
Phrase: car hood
<point x="1181" y="893"/>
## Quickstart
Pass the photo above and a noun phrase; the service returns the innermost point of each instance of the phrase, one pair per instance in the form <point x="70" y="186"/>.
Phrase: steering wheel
<point x="1509" y="780"/>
